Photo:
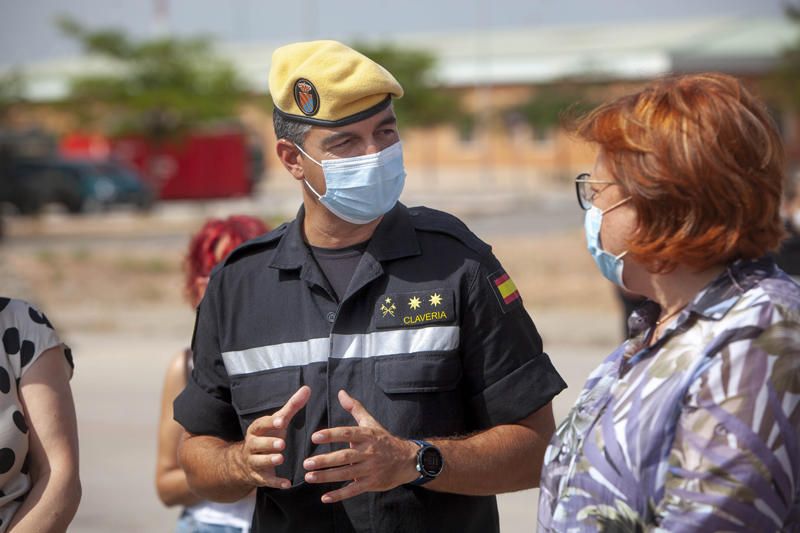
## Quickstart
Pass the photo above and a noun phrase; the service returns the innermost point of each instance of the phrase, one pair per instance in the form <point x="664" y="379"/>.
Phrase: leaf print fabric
<point x="698" y="432"/>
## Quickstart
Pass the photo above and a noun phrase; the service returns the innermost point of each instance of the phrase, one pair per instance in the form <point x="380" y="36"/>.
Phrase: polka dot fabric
<point x="25" y="334"/>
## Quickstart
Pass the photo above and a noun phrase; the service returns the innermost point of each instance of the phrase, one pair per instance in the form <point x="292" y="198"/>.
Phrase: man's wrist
<point x="428" y="462"/>
<point x="409" y="471"/>
<point x="236" y="458"/>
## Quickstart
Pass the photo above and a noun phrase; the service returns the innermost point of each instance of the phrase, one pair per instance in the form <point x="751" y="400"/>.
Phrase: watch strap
<point x="423" y="478"/>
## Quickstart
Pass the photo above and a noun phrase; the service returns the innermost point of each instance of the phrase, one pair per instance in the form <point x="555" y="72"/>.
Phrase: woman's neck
<point x="675" y="290"/>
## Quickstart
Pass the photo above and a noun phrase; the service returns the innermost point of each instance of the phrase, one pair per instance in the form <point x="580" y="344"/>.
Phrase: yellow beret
<point x="326" y="83"/>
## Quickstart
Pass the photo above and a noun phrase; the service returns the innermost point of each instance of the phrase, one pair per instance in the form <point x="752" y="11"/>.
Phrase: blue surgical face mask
<point x="360" y="189"/>
<point x="611" y="266"/>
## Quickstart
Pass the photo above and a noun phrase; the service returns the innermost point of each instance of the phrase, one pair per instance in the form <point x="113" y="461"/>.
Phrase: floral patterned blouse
<point x="699" y="432"/>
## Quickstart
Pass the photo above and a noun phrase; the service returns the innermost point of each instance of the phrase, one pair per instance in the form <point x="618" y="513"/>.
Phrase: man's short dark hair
<point x="291" y="130"/>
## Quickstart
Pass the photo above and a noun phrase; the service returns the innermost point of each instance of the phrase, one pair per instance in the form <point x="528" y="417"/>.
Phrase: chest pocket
<point x="402" y="374"/>
<point x="263" y="393"/>
<point x="419" y="395"/>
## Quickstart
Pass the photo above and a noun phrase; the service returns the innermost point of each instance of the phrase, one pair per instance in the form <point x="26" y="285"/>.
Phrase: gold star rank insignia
<point x="388" y="308"/>
<point x="425" y="307"/>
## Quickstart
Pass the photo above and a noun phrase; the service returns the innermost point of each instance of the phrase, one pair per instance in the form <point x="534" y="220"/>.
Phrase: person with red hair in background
<point x="215" y="240"/>
<point x="692" y="424"/>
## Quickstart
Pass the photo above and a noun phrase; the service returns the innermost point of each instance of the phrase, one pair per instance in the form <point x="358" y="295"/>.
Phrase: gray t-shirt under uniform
<point x="339" y="264"/>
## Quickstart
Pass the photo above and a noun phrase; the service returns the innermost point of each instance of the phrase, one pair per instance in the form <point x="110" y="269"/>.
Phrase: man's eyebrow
<point x="336" y="138"/>
<point x="387" y="121"/>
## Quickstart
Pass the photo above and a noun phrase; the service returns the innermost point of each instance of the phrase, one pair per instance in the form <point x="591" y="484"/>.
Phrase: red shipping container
<point x="199" y="165"/>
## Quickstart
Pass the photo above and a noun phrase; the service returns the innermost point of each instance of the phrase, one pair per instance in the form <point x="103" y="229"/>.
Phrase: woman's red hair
<point x="704" y="165"/>
<point x="212" y="243"/>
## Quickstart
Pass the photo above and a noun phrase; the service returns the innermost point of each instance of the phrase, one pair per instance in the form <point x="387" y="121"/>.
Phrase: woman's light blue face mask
<point x="610" y="265"/>
<point x="361" y="189"/>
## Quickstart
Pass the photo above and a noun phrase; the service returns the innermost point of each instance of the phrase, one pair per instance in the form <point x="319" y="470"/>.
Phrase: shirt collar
<point x="292" y="252"/>
<point x="394" y="238"/>
<point x="715" y="300"/>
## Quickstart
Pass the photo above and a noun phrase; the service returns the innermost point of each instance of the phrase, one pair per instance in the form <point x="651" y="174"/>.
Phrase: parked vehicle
<point x="219" y="162"/>
<point x="130" y="188"/>
<point x="77" y="186"/>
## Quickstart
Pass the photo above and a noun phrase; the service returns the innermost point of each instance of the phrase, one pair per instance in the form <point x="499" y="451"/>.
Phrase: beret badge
<point x="306" y="97"/>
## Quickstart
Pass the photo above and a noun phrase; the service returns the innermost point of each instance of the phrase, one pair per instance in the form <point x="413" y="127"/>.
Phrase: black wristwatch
<point x="429" y="462"/>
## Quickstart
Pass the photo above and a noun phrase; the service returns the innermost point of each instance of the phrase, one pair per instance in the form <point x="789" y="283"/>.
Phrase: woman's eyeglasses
<point x="584" y="191"/>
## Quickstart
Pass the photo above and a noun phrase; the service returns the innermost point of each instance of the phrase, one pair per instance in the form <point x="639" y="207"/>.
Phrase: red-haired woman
<point x="215" y="240"/>
<point x="693" y="424"/>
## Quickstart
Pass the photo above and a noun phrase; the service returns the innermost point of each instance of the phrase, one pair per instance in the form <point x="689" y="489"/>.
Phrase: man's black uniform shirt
<point x="431" y="336"/>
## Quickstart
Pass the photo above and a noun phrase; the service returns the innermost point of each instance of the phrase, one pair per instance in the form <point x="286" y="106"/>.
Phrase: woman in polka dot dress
<point x="215" y="240"/>
<point x="39" y="484"/>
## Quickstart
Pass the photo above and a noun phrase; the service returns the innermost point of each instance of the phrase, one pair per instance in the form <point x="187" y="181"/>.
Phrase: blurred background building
<point x="483" y="103"/>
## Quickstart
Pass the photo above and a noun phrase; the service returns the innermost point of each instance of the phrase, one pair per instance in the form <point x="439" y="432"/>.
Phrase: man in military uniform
<point x="367" y="366"/>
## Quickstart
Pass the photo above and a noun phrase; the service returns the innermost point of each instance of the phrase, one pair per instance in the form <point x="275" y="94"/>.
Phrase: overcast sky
<point x="27" y="32"/>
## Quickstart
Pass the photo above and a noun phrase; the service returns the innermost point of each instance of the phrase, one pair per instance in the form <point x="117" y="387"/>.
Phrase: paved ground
<point x="122" y="351"/>
<point x="117" y="400"/>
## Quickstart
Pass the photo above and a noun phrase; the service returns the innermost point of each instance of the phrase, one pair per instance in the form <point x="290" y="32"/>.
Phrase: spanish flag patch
<point x="507" y="294"/>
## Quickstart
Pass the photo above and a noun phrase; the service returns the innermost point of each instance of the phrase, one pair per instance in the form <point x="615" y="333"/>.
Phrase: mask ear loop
<point x="616" y="205"/>
<point x="318" y="195"/>
<point x="308" y="156"/>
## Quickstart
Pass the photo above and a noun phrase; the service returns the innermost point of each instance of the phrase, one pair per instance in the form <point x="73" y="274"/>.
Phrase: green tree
<point x="424" y="103"/>
<point x="784" y="84"/>
<point x="155" y="87"/>
<point x="12" y="89"/>
<point x="548" y="105"/>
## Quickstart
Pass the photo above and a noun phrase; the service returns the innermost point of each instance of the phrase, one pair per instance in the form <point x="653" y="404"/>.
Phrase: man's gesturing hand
<point x="265" y="440"/>
<point x="376" y="460"/>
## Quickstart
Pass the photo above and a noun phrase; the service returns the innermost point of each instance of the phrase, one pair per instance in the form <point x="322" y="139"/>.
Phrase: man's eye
<point x="341" y="144"/>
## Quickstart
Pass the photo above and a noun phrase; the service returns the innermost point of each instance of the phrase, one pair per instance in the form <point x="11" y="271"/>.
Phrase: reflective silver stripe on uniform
<point x="361" y="345"/>
<point x="276" y="356"/>
<point x="396" y="341"/>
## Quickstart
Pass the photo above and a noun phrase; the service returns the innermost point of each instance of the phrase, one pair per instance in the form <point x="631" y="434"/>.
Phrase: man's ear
<point x="290" y="157"/>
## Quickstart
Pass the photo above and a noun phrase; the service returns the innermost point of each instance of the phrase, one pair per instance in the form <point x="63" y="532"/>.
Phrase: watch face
<point x="431" y="461"/>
